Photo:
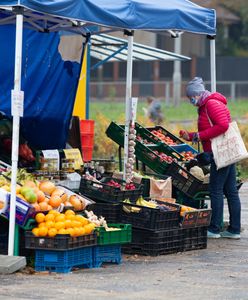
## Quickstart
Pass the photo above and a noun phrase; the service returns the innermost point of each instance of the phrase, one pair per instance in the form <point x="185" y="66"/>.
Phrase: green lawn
<point x="115" y="111"/>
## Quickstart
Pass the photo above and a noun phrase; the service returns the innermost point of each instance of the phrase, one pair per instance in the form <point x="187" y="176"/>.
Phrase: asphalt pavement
<point x="218" y="272"/>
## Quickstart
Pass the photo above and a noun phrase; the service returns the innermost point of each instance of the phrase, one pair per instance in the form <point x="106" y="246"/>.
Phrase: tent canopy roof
<point x="51" y="15"/>
<point x="108" y="48"/>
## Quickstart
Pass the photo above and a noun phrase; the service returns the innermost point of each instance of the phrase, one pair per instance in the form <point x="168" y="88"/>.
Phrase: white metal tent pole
<point x="15" y="131"/>
<point x="213" y="64"/>
<point x="128" y="97"/>
<point x="177" y="76"/>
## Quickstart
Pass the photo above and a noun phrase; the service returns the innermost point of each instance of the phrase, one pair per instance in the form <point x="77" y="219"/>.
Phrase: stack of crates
<point x="108" y="249"/>
<point x="157" y="232"/>
<point x="61" y="253"/>
<point x="87" y="139"/>
<point x="182" y="179"/>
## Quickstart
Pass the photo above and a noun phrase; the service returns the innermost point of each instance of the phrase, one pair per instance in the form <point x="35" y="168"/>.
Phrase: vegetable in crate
<point x="99" y="221"/>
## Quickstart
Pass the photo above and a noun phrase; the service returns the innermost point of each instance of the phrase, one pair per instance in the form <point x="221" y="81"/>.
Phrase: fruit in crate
<point x="78" y="202"/>
<point x="184" y="209"/>
<point x="162" y="157"/>
<point x="62" y="223"/>
<point x="130" y="186"/>
<point x="61" y="193"/>
<point x="114" y="183"/>
<point x="162" y="136"/>
<point x="188" y="155"/>
<point x="47" y="187"/>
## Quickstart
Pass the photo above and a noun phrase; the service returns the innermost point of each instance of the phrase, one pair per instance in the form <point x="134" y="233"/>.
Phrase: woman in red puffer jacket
<point x="213" y="120"/>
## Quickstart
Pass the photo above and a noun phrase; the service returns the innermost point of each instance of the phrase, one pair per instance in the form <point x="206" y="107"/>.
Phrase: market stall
<point x="49" y="16"/>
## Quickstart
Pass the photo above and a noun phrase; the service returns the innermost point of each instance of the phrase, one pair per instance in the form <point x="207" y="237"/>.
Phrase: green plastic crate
<point x="150" y="159"/>
<point x="122" y="236"/>
<point x="116" y="133"/>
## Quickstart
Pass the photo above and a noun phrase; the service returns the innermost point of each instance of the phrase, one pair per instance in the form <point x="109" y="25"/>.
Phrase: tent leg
<point x="213" y="64"/>
<point x="16" y="110"/>
<point x="128" y="97"/>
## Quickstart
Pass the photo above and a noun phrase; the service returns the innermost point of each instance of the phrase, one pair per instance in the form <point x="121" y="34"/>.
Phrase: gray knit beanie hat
<point x="195" y="87"/>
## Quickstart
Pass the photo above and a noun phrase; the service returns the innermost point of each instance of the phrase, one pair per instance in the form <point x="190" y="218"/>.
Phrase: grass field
<point x="115" y="111"/>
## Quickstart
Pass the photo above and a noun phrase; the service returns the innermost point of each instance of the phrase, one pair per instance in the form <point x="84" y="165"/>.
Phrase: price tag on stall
<point x="75" y="155"/>
<point x="54" y="155"/>
<point x="17" y="100"/>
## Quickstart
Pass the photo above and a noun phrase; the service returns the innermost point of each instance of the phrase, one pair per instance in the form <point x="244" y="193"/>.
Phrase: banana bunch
<point x="22" y="175"/>
<point x="130" y="209"/>
<point x="143" y="202"/>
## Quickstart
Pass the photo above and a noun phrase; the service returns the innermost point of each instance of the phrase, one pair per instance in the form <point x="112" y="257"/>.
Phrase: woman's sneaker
<point x="212" y="235"/>
<point x="229" y="235"/>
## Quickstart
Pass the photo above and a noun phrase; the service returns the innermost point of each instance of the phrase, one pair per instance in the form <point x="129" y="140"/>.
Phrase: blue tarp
<point x="49" y="84"/>
<point x="129" y="14"/>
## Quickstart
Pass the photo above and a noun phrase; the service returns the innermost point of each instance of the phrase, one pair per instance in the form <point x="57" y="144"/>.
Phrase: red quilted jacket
<point x="214" y="107"/>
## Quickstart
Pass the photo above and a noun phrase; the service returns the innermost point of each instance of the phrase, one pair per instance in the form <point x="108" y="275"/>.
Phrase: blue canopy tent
<point x="77" y="16"/>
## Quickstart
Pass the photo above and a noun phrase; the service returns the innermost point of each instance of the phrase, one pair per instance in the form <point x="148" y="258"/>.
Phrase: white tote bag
<point x="228" y="148"/>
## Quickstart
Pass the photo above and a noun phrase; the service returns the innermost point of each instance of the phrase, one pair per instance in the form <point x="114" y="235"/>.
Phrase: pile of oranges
<point x="62" y="223"/>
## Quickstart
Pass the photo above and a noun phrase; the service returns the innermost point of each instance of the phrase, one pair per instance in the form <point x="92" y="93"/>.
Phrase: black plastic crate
<point x="194" y="238"/>
<point x="59" y="242"/>
<point x="184" y="181"/>
<point x="151" y="218"/>
<point x="154" y="243"/>
<point x="110" y="211"/>
<point x="106" y="193"/>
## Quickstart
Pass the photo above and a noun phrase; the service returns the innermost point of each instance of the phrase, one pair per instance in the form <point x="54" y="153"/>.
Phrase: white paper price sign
<point x="17" y="100"/>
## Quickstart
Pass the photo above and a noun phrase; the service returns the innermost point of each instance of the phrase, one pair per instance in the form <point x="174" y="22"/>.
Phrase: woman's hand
<point x="184" y="134"/>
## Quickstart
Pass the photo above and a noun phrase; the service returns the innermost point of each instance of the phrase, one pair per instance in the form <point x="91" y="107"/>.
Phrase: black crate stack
<point x="158" y="232"/>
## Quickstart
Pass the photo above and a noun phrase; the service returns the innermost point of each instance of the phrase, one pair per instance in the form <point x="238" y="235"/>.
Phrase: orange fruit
<point x="42" y="224"/>
<point x="81" y="231"/>
<point x="89" y="228"/>
<point x="62" y="231"/>
<point x="68" y="224"/>
<point x="70" y="217"/>
<point x="40" y="196"/>
<point x="59" y="225"/>
<point x="47" y="187"/>
<point x="55" y="201"/>
<point x="35" y="231"/>
<point x="49" y="224"/>
<point x="60" y="218"/>
<point x="36" y="206"/>
<point x="70" y="231"/>
<point x="43" y="206"/>
<point x="30" y="183"/>
<point x="40" y="217"/>
<point x="69" y="212"/>
<point x="75" y="223"/>
<point x="76" y="231"/>
<point x="43" y="231"/>
<point x="53" y="212"/>
<point x="49" y="217"/>
<point x="81" y="219"/>
<point x="61" y="193"/>
<point x="52" y="232"/>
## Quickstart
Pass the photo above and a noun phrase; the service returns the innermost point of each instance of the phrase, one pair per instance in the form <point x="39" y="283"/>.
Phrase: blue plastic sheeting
<point x="129" y="14"/>
<point x="49" y="83"/>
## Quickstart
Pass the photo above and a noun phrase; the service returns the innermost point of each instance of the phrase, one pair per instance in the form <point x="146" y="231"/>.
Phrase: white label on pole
<point x="134" y="102"/>
<point x="17" y="100"/>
